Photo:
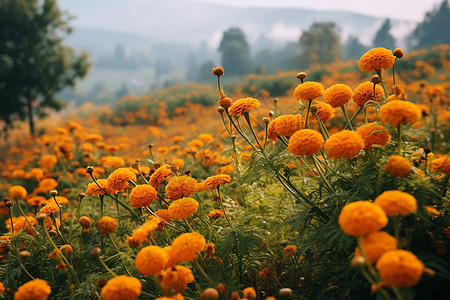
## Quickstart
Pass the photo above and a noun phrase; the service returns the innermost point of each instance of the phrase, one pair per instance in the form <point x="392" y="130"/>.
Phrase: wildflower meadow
<point x="336" y="190"/>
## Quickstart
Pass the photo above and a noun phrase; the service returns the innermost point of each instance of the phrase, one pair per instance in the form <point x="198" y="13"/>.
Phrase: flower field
<point x="307" y="185"/>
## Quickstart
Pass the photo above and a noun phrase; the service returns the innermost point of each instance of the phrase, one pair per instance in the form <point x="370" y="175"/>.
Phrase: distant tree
<point x="434" y="29"/>
<point x="320" y="44"/>
<point x="235" y="50"/>
<point x="122" y="91"/>
<point x="34" y="63"/>
<point x="383" y="37"/>
<point x="353" y="48"/>
<point x="203" y="71"/>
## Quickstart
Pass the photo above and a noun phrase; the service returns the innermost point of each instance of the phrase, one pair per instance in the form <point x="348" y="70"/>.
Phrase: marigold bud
<point x="398" y="53"/>
<point x="358" y="262"/>
<point x="285" y="292"/>
<point x="52" y="233"/>
<point x="220" y="109"/>
<point x="301" y="75"/>
<point x="53" y="192"/>
<point x="24" y="254"/>
<point x="218" y="71"/>
<point x="276" y="100"/>
<point x="375" y="79"/>
<point x="209" y="294"/>
<point x="101" y="282"/>
<point x="266" y="120"/>
<point x="96" y="251"/>
<point x="90" y="169"/>
<point x="271" y="113"/>
<point x="81" y="195"/>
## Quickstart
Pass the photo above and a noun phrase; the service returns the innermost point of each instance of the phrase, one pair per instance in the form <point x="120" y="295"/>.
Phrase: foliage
<point x="383" y="37"/>
<point x="235" y="52"/>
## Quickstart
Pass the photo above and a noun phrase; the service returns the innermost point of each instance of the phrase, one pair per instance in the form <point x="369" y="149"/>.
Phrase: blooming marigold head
<point x="106" y="225"/>
<point x="362" y="217"/>
<point x="94" y="189"/>
<point x="290" y="250"/>
<point x="122" y="287"/>
<point x="243" y="105"/>
<point x="160" y="175"/>
<point x="397" y="202"/>
<point x="186" y="246"/>
<point x="118" y="180"/>
<point x="323" y="110"/>
<point x="442" y="164"/>
<point x="176" y="277"/>
<point x="36" y="289"/>
<point x="224" y="101"/>
<point x="399" y="112"/>
<point x="216" y="213"/>
<point x="48" y="161"/>
<point x="309" y="91"/>
<point x="218" y="71"/>
<point x="373" y="134"/>
<point x="85" y="223"/>
<point x="305" y="142"/>
<point x="50" y="208"/>
<point x="181" y="186"/>
<point x="375" y="244"/>
<point x="285" y="125"/>
<point x="337" y="95"/>
<point x="399" y="166"/>
<point x="142" y="195"/>
<point x="345" y="144"/>
<point x="399" y="268"/>
<point x="151" y="259"/>
<point x="249" y="293"/>
<point x="364" y="92"/>
<point x="376" y="59"/>
<point x="214" y="181"/>
<point x="183" y="208"/>
<point x="17" y="192"/>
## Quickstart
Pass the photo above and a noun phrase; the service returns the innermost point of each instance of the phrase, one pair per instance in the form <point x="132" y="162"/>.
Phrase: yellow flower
<point x="183" y="208"/>
<point x="305" y="142"/>
<point x="243" y="105"/>
<point x="337" y="95"/>
<point x="362" y="217"/>
<point x="397" y="202"/>
<point x="345" y="144"/>
<point x="186" y="246"/>
<point x="309" y="91"/>
<point x="375" y="244"/>
<point x="376" y="59"/>
<point x="400" y="268"/>
<point x="176" y="278"/>
<point x="106" y="225"/>
<point x="373" y="134"/>
<point x="364" y="93"/>
<point x="17" y="192"/>
<point x="151" y="259"/>
<point x="398" y="166"/>
<point x="36" y="289"/>
<point x="142" y="195"/>
<point x="122" y="288"/>
<point x="399" y="112"/>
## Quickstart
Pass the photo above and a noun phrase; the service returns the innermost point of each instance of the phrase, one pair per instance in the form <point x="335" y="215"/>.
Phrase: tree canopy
<point x="383" y="37"/>
<point x="235" y="50"/>
<point x="34" y="63"/>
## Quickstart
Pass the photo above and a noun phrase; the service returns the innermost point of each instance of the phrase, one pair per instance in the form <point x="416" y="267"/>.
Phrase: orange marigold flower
<point x="309" y="91"/>
<point x="141" y="234"/>
<point x="106" y="225"/>
<point x="36" y="200"/>
<point x="285" y="125"/>
<point x="323" y="110"/>
<point x="163" y="214"/>
<point x="434" y="90"/>
<point x="181" y="186"/>
<point x="206" y="137"/>
<point x="271" y="132"/>
<point x="305" y="142"/>
<point x="398" y="52"/>
<point x="17" y="192"/>
<point x="2" y="288"/>
<point x="364" y="93"/>
<point x="337" y="95"/>
<point x="50" y="208"/>
<point x="213" y="181"/>
<point x="373" y="134"/>
<point x="225" y="102"/>
<point x="290" y="250"/>
<point x="176" y="277"/>
<point x="397" y="202"/>
<point x="216" y="213"/>
<point x="376" y="59"/>
<point x="186" y="246"/>
<point x="243" y="105"/>
<point x="249" y="293"/>
<point x="210" y="248"/>
<point x="36" y="289"/>
<point x="151" y="259"/>
<point x="345" y="144"/>
<point x="21" y="223"/>
<point x="398" y="166"/>
<point x="121" y="287"/>
<point x="400" y="268"/>
<point x="94" y="138"/>
<point x="442" y="164"/>
<point x="183" y="208"/>
<point x="118" y="180"/>
<point x="178" y="162"/>
<point x="142" y="195"/>
<point x="93" y="188"/>
<point x="218" y="71"/>
<point x="362" y="217"/>
<point x="399" y="112"/>
<point x="160" y="175"/>
<point x="111" y="161"/>
<point x="375" y="244"/>
<point x="60" y="199"/>
<point x="48" y="161"/>
<point x="85" y="223"/>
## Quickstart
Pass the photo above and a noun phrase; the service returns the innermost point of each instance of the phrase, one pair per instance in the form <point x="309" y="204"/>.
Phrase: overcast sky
<point x="413" y="10"/>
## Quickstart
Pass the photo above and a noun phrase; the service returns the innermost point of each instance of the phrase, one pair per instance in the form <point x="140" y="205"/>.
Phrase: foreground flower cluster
<point x="346" y="194"/>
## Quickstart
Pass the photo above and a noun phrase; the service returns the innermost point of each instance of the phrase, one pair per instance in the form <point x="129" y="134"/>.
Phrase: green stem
<point x="223" y="207"/>
<point x="319" y="170"/>
<point x="307" y="112"/>
<point x="26" y="218"/>
<point x="350" y="167"/>
<point x="386" y="95"/>
<point x="393" y="71"/>
<point x="202" y="271"/>
<point x="105" y="266"/>
<point x="247" y="118"/>
<point x="60" y="211"/>
<point x="399" y="139"/>
<point x="344" y="111"/>
<point x="353" y="117"/>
